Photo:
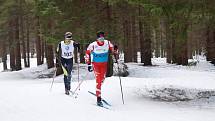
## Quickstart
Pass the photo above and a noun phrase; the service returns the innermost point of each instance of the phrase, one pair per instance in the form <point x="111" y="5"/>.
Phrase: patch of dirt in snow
<point x="180" y="96"/>
<point x="41" y="72"/>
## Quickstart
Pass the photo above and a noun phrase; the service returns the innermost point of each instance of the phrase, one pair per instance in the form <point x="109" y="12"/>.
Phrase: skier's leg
<point x="103" y="71"/>
<point x="69" y="70"/>
<point x="98" y="79"/>
<point x="98" y="83"/>
<point x="65" y="71"/>
<point x="98" y="91"/>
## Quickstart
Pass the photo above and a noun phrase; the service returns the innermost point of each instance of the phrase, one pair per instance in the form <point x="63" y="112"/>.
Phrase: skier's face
<point x="68" y="37"/>
<point x="101" y="39"/>
<point x="67" y="41"/>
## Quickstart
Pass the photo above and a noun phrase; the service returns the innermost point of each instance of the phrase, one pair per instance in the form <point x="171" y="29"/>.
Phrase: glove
<point x="115" y="47"/>
<point x="90" y="69"/>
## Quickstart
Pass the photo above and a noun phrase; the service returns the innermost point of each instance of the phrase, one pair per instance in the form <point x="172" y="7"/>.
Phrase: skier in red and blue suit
<point x="97" y="59"/>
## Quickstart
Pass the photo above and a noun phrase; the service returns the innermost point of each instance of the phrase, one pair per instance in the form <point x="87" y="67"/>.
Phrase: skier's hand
<point x="90" y="68"/>
<point x="115" y="47"/>
<point x="115" y="54"/>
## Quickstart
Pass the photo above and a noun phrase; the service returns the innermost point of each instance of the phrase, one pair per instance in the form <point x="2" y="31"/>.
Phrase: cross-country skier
<point x="97" y="57"/>
<point x="65" y="52"/>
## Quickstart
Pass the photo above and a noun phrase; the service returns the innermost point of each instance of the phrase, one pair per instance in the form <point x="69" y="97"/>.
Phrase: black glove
<point x="115" y="47"/>
<point x="77" y="45"/>
<point x="90" y="68"/>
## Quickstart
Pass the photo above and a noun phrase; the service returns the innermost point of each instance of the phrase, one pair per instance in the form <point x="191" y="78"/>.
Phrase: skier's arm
<point x="77" y="45"/>
<point x="87" y="57"/>
<point x="58" y="54"/>
<point x="87" y="54"/>
<point x="114" y="50"/>
<point x="58" y="51"/>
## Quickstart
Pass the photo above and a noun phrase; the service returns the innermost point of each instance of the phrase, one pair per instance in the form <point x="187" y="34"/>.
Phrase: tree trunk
<point x="43" y="50"/>
<point x="127" y="43"/>
<point x="174" y="45"/>
<point x="12" y="59"/>
<point x="141" y="36"/>
<point x="184" y="52"/>
<point x="23" y="41"/>
<point x="168" y="33"/>
<point x="109" y="27"/>
<point x="38" y="42"/>
<point x="28" y="41"/>
<point x="181" y="47"/>
<point x="4" y="55"/>
<point x="134" y="39"/>
<point x="18" y="52"/>
<point x="210" y="46"/>
<point x="162" y="39"/>
<point x="162" y="49"/>
<point x="147" y="53"/>
<point x="12" y="46"/>
<point x="157" y="43"/>
<point x="82" y="53"/>
<point x="76" y="55"/>
<point x="130" y="42"/>
<point x="49" y="55"/>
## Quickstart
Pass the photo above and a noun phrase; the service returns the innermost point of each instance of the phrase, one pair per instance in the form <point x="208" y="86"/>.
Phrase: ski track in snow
<point x="23" y="97"/>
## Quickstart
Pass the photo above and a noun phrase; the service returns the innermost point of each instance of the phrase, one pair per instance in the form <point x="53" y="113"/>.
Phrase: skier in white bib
<point x="65" y="52"/>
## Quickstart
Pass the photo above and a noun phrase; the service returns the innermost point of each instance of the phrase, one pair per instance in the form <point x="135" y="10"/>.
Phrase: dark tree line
<point x="175" y="29"/>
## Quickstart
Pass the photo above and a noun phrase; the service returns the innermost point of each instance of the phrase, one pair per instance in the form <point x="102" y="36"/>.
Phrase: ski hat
<point x="100" y="34"/>
<point x="68" y="35"/>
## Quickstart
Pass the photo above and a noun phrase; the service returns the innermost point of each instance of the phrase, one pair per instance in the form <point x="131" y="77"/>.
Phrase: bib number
<point x="68" y="54"/>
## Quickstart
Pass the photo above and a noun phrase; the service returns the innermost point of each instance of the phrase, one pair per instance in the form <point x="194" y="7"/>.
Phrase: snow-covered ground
<point x="24" y="97"/>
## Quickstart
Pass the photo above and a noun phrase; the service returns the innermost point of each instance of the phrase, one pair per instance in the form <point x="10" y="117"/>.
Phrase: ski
<point x="103" y="107"/>
<point x="103" y="100"/>
<point x="75" y="95"/>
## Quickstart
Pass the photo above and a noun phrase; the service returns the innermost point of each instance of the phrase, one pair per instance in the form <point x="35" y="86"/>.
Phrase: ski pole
<point x="78" y="67"/>
<point x="55" y="71"/>
<point x="120" y="83"/>
<point x="79" y="84"/>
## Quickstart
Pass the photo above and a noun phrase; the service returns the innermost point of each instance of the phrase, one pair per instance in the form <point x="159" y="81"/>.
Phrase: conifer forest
<point x="175" y="29"/>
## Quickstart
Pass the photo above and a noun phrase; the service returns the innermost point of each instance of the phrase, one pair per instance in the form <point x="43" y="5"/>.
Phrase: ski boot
<point x="66" y="91"/>
<point x="99" y="102"/>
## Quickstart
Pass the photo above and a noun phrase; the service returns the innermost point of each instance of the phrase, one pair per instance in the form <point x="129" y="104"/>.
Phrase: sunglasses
<point x="68" y="37"/>
<point x="101" y="39"/>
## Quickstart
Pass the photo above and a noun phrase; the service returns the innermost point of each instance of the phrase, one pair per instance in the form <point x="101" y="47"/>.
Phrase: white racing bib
<point x="67" y="50"/>
<point x="100" y="53"/>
